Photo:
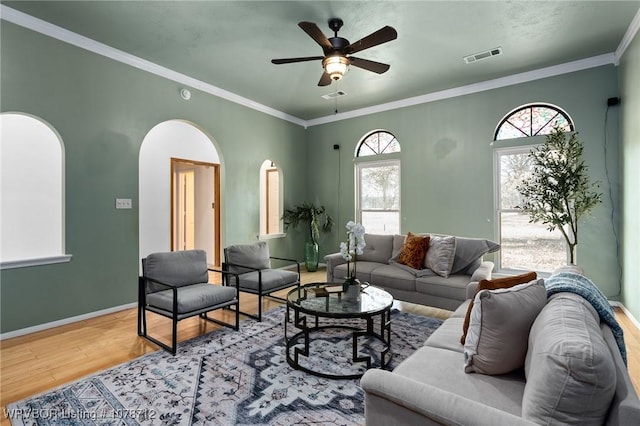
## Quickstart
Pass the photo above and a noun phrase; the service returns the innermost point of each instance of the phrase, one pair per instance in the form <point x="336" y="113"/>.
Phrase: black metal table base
<point x="300" y="322"/>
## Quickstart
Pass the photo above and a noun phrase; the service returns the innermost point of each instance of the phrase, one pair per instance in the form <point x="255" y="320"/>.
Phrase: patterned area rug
<point x="225" y="378"/>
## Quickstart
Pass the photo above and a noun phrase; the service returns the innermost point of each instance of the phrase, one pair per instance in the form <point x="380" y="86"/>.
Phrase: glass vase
<point x="311" y="256"/>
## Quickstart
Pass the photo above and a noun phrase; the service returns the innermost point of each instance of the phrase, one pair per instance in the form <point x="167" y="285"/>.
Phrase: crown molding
<point x="38" y="25"/>
<point x="582" y="64"/>
<point x="633" y="29"/>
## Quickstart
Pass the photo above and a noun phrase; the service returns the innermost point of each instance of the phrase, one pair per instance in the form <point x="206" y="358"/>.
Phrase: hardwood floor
<point x="40" y="361"/>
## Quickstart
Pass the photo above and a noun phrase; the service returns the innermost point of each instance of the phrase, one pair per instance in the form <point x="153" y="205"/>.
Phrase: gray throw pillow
<point x="469" y="250"/>
<point x="499" y="325"/>
<point x="251" y="255"/>
<point x="440" y="255"/>
<point x="571" y="376"/>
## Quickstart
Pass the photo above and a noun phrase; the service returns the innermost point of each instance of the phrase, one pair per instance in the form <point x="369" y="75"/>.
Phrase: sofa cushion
<point x="414" y="250"/>
<point x="251" y="255"/>
<point x="377" y="249"/>
<point x="179" y="268"/>
<point x="392" y="277"/>
<point x="363" y="271"/>
<point x="454" y="287"/>
<point x="499" y="328"/>
<point x="440" y="255"/>
<point x="441" y="368"/>
<point x="446" y="336"/>
<point x="570" y="372"/>
<point x="470" y="250"/>
<point x="493" y="284"/>
<point x="461" y="311"/>
<point x="398" y="242"/>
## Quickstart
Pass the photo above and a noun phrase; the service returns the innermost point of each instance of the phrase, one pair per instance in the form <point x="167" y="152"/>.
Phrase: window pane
<point x="378" y="143"/>
<point x="380" y="188"/>
<point x="381" y="222"/>
<point x="532" y="120"/>
<point x="529" y="246"/>
<point x="514" y="168"/>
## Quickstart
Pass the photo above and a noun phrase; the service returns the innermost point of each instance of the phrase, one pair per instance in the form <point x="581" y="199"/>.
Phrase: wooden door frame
<point x="216" y="200"/>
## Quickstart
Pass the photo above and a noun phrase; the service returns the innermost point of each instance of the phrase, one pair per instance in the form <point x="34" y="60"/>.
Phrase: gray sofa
<point x="577" y="378"/>
<point x="378" y="267"/>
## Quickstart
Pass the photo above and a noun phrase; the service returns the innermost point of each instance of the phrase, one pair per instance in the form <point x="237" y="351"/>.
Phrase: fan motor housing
<point x="338" y="43"/>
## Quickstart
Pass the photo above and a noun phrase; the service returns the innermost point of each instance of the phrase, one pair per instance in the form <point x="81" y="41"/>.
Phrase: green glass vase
<point x="311" y="256"/>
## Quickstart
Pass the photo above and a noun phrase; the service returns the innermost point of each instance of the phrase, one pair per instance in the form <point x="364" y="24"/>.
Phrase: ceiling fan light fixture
<point x="336" y="66"/>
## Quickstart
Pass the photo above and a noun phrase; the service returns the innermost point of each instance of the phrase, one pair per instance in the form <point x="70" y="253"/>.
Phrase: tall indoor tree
<point x="559" y="191"/>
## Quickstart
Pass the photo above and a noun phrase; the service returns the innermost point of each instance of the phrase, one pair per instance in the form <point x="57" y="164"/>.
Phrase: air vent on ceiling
<point x="483" y="55"/>
<point x="334" y="94"/>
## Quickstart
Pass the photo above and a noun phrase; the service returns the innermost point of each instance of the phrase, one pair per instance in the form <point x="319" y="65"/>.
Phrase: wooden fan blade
<point x="292" y="60"/>
<point x="325" y="80"/>
<point x="377" y="67"/>
<point x="383" y="35"/>
<point x="316" y="34"/>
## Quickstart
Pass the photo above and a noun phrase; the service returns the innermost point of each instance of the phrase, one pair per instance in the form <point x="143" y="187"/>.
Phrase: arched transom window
<point x="378" y="142"/>
<point x="532" y="120"/>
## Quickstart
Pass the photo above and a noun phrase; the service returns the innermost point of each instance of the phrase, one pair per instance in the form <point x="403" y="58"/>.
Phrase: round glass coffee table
<point x="310" y="302"/>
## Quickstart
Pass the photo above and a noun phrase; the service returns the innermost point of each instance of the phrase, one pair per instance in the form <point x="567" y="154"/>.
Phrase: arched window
<point x="378" y="183"/>
<point x="32" y="177"/>
<point x="525" y="245"/>
<point x="378" y="142"/>
<point x="532" y="120"/>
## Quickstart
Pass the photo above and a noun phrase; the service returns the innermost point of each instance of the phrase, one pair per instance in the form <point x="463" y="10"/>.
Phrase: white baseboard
<point x="65" y="321"/>
<point x="634" y="321"/>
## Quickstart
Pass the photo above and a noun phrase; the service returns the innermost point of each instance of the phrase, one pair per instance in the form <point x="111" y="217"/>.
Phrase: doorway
<point x="195" y="207"/>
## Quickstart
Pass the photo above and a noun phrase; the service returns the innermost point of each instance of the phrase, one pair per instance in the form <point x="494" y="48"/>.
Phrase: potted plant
<point x="315" y="216"/>
<point x="559" y="190"/>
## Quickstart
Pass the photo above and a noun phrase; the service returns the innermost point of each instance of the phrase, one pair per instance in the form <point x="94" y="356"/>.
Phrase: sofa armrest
<point x="333" y="260"/>
<point x="394" y="399"/>
<point x="482" y="273"/>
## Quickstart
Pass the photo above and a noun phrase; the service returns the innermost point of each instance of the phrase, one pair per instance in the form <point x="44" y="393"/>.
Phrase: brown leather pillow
<point x="414" y="250"/>
<point x="497" y="283"/>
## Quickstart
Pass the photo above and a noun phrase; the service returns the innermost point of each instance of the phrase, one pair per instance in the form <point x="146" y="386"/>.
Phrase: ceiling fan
<point x="335" y="61"/>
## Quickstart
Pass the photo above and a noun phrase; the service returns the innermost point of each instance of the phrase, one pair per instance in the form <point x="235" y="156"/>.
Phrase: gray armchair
<point x="176" y="285"/>
<point x="252" y="263"/>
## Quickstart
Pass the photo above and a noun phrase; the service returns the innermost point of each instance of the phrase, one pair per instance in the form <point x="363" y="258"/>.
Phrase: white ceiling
<point x="225" y="47"/>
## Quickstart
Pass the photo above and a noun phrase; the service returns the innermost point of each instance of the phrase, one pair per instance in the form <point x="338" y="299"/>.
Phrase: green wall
<point x="630" y="141"/>
<point x="447" y="161"/>
<point x="103" y="109"/>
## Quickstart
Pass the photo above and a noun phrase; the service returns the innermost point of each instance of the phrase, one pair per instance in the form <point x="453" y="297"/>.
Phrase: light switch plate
<point x="123" y="203"/>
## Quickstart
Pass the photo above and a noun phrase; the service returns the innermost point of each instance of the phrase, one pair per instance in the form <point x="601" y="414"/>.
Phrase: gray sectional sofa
<point x="573" y="374"/>
<point x="377" y="266"/>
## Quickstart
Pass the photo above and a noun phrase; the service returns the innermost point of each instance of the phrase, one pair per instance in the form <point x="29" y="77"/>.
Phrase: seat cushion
<point x="192" y="298"/>
<point x="176" y="267"/>
<point x="389" y="276"/>
<point x="442" y="368"/>
<point x="454" y="287"/>
<point x="272" y="279"/>
<point x="363" y="270"/>
<point x="447" y="335"/>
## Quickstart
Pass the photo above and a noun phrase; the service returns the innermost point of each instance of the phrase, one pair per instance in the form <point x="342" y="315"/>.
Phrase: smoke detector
<point x="334" y="94"/>
<point x="483" y="55"/>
